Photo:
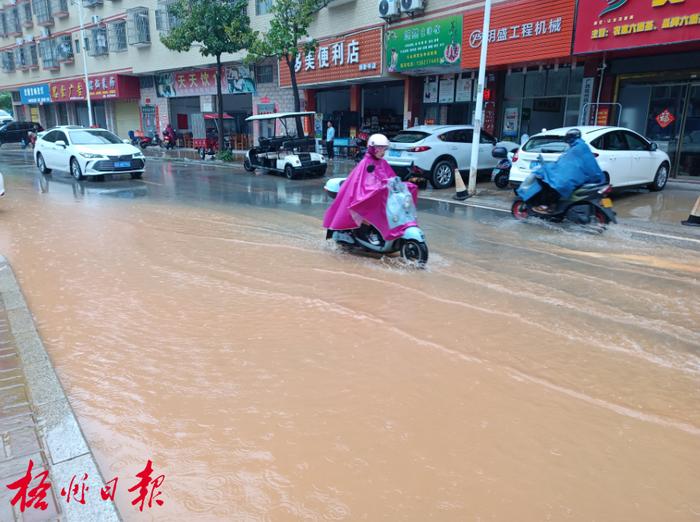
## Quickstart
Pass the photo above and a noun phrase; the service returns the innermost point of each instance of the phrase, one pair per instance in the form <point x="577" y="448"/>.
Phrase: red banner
<point x="604" y="25"/>
<point x="106" y="86"/>
<point x="521" y="31"/>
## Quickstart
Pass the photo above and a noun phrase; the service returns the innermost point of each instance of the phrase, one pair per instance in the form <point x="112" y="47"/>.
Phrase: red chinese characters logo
<point x="146" y="489"/>
<point x="665" y="118"/>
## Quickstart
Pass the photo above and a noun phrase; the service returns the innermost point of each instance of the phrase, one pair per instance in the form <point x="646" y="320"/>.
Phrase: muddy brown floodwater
<point x="271" y="377"/>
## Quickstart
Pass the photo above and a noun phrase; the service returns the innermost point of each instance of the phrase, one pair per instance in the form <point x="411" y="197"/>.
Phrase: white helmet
<point x="378" y="140"/>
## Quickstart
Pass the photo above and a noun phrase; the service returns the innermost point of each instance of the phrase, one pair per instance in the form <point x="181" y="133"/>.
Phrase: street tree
<point x="216" y="27"/>
<point x="6" y="102"/>
<point x="289" y="27"/>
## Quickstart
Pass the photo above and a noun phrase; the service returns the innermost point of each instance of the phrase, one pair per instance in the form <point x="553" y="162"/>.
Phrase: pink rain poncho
<point x="364" y="196"/>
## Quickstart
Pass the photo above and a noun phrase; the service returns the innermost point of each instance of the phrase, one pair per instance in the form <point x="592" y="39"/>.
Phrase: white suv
<point x="437" y="150"/>
<point x="626" y="158"/>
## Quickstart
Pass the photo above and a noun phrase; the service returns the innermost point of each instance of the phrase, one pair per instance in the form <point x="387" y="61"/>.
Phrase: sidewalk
<point x="37" y="422"/>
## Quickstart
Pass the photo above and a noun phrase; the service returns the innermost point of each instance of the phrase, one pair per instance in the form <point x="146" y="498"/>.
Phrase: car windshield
<point x="546" y="144"/>
<point x="93" y="137"/>
<point x="409" y="136"/>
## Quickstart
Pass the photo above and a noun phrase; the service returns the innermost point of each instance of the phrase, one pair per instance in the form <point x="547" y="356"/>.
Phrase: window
<point x="77" y="45"/>
<point x="8" y="61"/>
<point x="42" y="10"/>
<point x="61" y="136"/>
<point x="486" y="138"/>
<point x="59" y="8"/>
<point x="14" y="28"/>
<point x="611" y="141"/>
<point x="546" y="145"/>
<point x="64" y="49"/>
<point x="92" y="3"/>
<point x="20" y="59"/>
<point x="264" y="74"/>
<point x="3" y="23"/>
<point x="98" y="41"/>
<point x="146" y="82"/>
<point x="166" y="19"/>
<point x="262" y="6"/>
<point x="49" y="56"/>
<point x="50" y="137"/>
<point x="139" y="29"/>
<point x="410" y="137"/>
<point x="635" y="142"/>
<point x="93" y="137"/>
<point x="25" y="14"/>
<point x="117" y="36"/>
<point x="33" y="55"/>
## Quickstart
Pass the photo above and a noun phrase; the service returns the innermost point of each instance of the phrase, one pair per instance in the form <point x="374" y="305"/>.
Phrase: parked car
<point x="627" y="158"/>
<point x="438" y="150"/>
<point x="5" y="117"/>
<point x="87" y="152"/>
<point x="16" y="131"/>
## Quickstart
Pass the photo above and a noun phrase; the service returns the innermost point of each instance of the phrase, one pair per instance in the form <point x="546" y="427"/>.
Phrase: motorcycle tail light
<point x="422" y="148"/>
<point x="605" y="191"/>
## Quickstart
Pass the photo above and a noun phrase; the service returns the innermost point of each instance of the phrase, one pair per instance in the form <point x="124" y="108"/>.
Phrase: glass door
<point x="665" y="116"/>
<point x="689" y="149"/>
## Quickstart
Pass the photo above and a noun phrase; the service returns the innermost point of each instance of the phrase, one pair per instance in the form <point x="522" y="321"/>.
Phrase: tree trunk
<point x="220" y="103"/>
<point x="297" y="100"/>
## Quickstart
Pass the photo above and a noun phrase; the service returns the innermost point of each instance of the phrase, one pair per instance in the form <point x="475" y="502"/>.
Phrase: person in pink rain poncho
<point x="362" y="198"/>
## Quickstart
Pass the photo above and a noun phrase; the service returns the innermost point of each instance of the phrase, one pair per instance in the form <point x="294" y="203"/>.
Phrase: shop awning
<point x="215" y="116"/>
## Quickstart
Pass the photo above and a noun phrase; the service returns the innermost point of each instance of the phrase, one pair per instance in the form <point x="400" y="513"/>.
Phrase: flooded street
<point x="199" y="319"/>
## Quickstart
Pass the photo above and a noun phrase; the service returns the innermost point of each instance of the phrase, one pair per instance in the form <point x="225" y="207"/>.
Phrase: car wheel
<point x="660" y="179"/>
<point x="289" y="171"/>
<point x="247" y="165"/>
<point x="42" y="164"/>
<point x="443" y="174"/>
<point x="75" y="170"/>
<point x="136" y="175"/>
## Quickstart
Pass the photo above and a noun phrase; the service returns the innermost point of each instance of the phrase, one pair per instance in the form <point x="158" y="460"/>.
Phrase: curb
<point x="63" y="442"/>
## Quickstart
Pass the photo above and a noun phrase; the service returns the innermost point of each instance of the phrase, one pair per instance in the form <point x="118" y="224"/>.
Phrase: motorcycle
<point x="411" y="245"/>
<point x="501" y="172"/>
<point x="168" y="142"/>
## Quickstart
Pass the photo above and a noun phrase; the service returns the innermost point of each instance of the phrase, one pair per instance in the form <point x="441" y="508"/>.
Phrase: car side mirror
<point x="499" y="152"/>
<point x="128" y="142"/>
<point x="653" y="147"/>
<point x="61" y="143"/>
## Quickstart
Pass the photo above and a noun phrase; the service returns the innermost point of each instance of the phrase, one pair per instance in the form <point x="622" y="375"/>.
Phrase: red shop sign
<point x="102" y="87"/>
<point x="604" y="25"/>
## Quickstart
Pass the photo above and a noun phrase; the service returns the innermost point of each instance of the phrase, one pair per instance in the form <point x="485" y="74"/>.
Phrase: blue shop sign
<point x="35" y="94"/>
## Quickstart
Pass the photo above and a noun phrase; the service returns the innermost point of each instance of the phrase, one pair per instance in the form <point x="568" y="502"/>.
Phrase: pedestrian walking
<point x="330" y="138"/>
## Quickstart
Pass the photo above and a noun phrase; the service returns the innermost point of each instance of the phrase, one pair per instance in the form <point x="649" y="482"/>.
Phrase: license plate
<point x="606" y="202"/>
<point x="534" y="165"/>
<point x="122" y="164"/>
<point x="394" y="153"/>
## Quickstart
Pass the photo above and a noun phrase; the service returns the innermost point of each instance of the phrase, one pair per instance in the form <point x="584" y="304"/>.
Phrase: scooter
<point x="500" y="174"/>
<point x="588" y="205"/>
<point x="168" y="143"/>
<point x="411" y="245"/>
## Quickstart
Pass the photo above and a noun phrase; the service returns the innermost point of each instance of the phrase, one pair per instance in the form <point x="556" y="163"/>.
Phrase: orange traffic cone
<point x="461" y="190"/>
<point x="694" y="216"/>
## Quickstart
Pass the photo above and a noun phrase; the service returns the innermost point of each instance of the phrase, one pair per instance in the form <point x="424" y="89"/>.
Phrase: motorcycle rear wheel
<point x="501" y="180"/>
<point x="519" y="210"/>
<point x="415" y="252"/>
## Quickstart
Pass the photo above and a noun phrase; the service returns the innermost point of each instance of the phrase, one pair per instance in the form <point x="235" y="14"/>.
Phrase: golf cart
<point x="292" y="153"/>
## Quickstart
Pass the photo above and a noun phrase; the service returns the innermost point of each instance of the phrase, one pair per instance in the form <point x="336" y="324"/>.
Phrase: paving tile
<point x="21" y="321"/>
<point x="13" y="299"/>
<point x="60" y="431"/>
<point x="22" y="442"/>
<point x="9" y="363"/>
<point x="42" y="383"/>
<point x="30" y="348"/>
<point x="18" y="465"/>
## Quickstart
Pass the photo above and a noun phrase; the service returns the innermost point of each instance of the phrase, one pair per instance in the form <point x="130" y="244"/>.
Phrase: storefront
<point x="37" y="100"/>
<point x="193" y="92"/>
<point x="533" y="82"/>
<point x="654" y="93"/>
<point x="332" y="76"/>
<point x="111" y="97"/>
<point x="430" y="53"/>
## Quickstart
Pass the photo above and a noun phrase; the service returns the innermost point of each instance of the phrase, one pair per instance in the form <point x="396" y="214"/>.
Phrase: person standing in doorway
<point x="330" y="138"/>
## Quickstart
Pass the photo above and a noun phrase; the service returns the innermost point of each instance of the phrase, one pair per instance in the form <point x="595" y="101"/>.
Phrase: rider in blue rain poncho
<point x="554" y="181"/>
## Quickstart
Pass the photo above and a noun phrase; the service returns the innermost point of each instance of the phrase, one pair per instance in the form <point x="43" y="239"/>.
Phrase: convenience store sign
<point x="437" y="43"/>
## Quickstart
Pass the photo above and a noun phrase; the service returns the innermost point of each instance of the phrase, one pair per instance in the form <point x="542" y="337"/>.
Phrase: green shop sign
<point x="437" y="43"/>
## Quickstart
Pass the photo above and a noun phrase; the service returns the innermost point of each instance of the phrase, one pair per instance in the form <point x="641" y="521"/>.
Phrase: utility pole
<point x="477" y="120"/>
<point x="79" y="3"/>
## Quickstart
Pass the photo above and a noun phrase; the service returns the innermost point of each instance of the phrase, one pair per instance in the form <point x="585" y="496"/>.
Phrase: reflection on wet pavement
<point x="199" y="318"/>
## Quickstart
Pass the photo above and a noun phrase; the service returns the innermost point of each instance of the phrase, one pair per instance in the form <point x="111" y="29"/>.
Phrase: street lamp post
<point x="479" y="105"/>
<point x="79" y="3"/>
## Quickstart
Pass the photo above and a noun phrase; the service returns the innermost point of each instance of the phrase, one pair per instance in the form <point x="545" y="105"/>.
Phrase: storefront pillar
<point x="355" y="98"/>
<point x="412" y="100"/>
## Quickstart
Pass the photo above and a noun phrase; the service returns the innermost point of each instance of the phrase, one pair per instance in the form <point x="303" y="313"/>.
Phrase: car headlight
<point x="138" y="155"/>
<point x="90" y="155"/>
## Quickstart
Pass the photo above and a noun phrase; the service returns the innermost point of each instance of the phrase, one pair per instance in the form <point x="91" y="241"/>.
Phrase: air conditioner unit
<point x="19" y="41"/>
<point x="412" y="6"/>
<point x="389" y="9"/>
<point x="96" y="19"/>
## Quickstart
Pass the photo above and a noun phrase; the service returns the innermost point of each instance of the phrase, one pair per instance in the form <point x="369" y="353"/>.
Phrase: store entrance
<point x="669" y="115"/>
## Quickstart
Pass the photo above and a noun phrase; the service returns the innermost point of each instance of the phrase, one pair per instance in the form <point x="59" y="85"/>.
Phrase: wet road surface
<point x="199" y="319"/>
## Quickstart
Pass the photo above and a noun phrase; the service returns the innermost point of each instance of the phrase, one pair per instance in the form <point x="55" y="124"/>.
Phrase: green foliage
<point x="225" y="155"/>
<point x="6" y="101"/>
<point x="218" y="26"/>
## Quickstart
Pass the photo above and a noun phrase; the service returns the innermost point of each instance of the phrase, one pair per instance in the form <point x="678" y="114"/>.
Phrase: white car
<point x="627" y="158"/>
<point x="5" y="117"/>
<point x="87" y="152"/>
<point x="437" y="150"/>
